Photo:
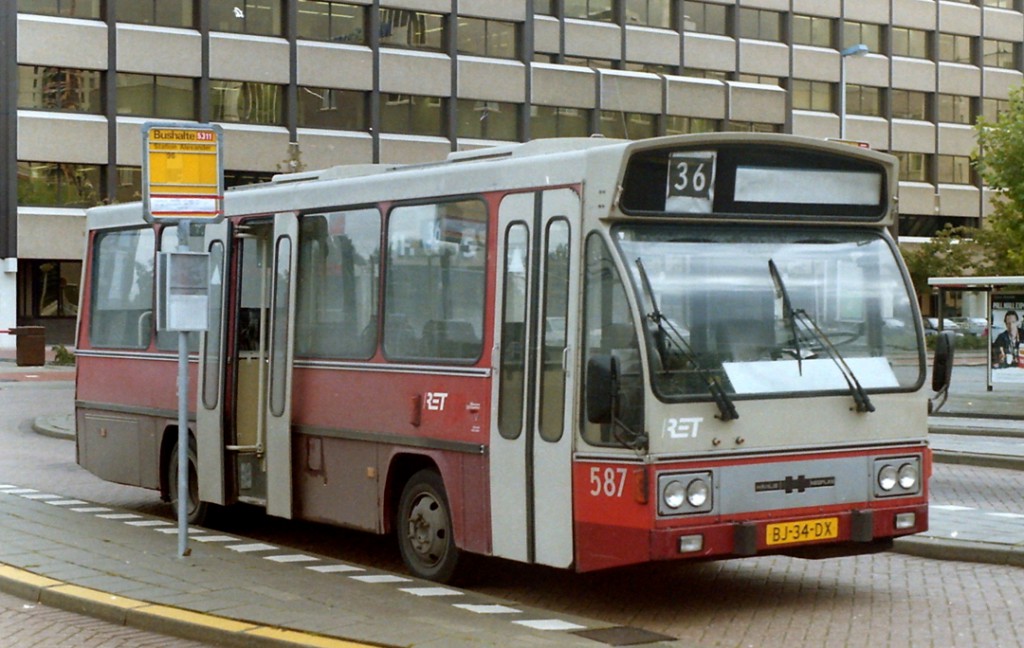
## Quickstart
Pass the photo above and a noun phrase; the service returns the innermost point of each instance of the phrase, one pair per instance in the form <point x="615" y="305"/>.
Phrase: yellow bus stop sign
<point x="182" y="173"/>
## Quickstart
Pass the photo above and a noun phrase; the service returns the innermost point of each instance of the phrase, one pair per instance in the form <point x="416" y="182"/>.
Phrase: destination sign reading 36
<point x="182" y="172"/>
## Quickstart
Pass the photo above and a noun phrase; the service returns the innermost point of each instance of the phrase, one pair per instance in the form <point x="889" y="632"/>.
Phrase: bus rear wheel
<point x="196" y="510"/>
<point x="424" y="524"/>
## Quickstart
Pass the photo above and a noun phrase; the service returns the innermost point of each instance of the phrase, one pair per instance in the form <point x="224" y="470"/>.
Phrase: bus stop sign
<point x="182" y="173"/>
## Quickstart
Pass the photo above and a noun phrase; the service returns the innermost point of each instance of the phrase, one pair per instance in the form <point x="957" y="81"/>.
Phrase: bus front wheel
<point x="424" y="525"/>
<point x="196" y="510"/>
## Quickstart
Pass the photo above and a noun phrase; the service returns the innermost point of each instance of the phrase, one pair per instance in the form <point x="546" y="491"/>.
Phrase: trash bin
<point x="30" y="347"/>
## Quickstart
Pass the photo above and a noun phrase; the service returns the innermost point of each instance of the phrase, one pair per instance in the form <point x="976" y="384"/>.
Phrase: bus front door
<point x="531" y="427"/>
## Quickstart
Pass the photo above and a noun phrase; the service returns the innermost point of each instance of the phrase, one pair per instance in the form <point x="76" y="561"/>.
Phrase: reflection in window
<point x="337" y="289"/>
<point x="909" y="42"/>
<point x="812" y="95"/>
<point x="591" y="62"/>
<point x="555" y="316"/>
<point x="863" y="100"/>
<point x="513" y="331"/>
<point x="155" y="96"/>
<point x="485" y="37"/>
<point x="992" y="108"/>
<point x="953" y="169"/>
<point x="259" y="17"/>
<point x="955" y="109"/>
<point x="869" y="34"/>
<point x="495" y="120"/>
<point x="734" y="126"/>
<point x="66" y="8"/>
<point x="122" y="289"/>
<point x="590" y="9"/>
<point x="168" y="13"/>
<point x="54" y="289"/>
<point x="680" y="125"/>
<point x="56" y="88"/>
<point x="544" y="7"/>
<point x="412" y="29"/>
<point x="332" y="108"/>
<point x="628" y="125"/>
<point x="760" y="24"/>
<point x="247" y="102"/>
<point x="412" y="115"/>
<point x="653" y="13"/>
<point x="913" y="166"/>
<point x="59" y="184"/>
<point x="956" y="48"/>
<point x="705" y="17"/>
<point x="332" y="21"/>
<point x="557" y="121"/>
<point x="909" y="104"/>
<point x="998" y="53"/>
<point x="436" y="267"/>
<point x="814" y="30"/>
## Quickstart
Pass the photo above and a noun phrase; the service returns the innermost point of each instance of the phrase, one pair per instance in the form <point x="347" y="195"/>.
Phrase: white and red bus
<point x="581" y="353"/>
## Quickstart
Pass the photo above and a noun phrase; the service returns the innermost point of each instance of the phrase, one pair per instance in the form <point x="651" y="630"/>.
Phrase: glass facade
<point x="628" y="125"/>
<point x="760" y="24"/>
<point x="909" y="104"/>
<point x="863" y="100"/>
<point x="483" y="37"/>
<point x="956" y="48"/>
<point x="590" y="9"/>
<point x="59" y="184"/>
<point x="168" y="13"/>
<point x="412" y="115"/>
<point x="259" y="17"/>
<point x="247" y="102"/>
<point x="331" y="108"/>
<point x="705" y="17"/>
<point x="495" y="120"/>
<point x="331" y="21"/>
<point x="412" y="30"/>
<point x="56" y="88"/>
<point x="812" y="95"/>
<point x="814" y="30"/>
<point x="555" y="121"/>
<point x="66" y="8"/>
<point x="148" y="95"/>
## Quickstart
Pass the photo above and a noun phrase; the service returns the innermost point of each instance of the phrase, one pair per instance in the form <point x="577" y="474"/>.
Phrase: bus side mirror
<point x="602" y="388"/>
<point x="942" y="368"/>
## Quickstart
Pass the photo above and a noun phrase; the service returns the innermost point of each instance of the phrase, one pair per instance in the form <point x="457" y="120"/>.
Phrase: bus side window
<point x="122" y="289"/>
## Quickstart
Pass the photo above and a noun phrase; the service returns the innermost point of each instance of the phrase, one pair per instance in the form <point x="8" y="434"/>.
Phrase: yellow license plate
<point x="803" y="531"/>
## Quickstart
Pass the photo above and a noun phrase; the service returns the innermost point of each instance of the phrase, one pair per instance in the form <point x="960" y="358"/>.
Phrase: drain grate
<point x="623" y="636"/>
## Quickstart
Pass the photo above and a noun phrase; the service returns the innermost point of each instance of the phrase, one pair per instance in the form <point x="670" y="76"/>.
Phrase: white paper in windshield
<point x="807" y="186"/>
<point x="819" y="374"/>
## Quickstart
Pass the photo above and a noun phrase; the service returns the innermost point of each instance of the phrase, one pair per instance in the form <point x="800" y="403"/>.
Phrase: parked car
<point x="974" y="326"/>
<point x="931" y="326"/>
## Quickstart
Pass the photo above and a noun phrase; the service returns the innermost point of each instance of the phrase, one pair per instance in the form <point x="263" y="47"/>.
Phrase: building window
<point x="955" y="109"/>
<point x="436" y="272"/>
<point x="814" y="30"/>
<point x="55" y="88"/>
<point x="166" y="13"/>
<point x="812" y="95"/>
<point x="909" y="104"/>
<point x="331" y="21"/>
<point x="247" y="102"/>
<point x="544" y="7"/>
<point x="953" y="169"/>
<point x="155" y="96"/>
<point x="909" y="42"/>
<point x="1002" y="4"/>
<point x="651" y="68"/>
<point x="999" y="53"/>
<point x="913" y="166"/>
<point x="956" y="48"/>
<point x="679" y="125"/>
<point x="58" y="184"/>
<point x="992" y="108"/>
<point x="67" y="8"/>
<point x="590" y="10"/>
<point x="653" y="13"/>
<point x="557" y="121"/>
<point x="718" y="75"/>
<point x="590" y="62"/>
<point x="628" y="125"/>
<point x="864" y="100"/>
<point x="412" y="115"/>
<point x="496" y="120"/>
<point x="412" y="30"/>
<point x="752" y="127"/>
<point x="259" y="17"/>
<point x="484" y="37"/>
<point x="761" y="79"/>
<point x="760" y="24"/>
<point x="331" y="108"/>
<point x="705" y="17"/>
<point x="51" y="290"/>
<point x="869" y="34"/>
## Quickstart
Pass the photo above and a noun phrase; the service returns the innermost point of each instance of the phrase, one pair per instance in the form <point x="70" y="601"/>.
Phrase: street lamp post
<point x="853" y="50"/>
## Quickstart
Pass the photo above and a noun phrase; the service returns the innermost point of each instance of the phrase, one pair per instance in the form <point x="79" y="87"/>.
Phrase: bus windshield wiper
<point x="795" y="315"/>
<point x="667" y="332"/>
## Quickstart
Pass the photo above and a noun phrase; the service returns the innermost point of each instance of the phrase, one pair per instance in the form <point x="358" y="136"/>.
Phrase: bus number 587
<point x="609" y="482"/>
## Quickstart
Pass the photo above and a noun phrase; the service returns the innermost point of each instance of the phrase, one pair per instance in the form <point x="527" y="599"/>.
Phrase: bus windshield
<point x="771" y="312"/>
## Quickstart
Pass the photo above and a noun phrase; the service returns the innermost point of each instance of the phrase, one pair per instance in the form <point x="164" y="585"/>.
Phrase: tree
<point x="947" y="254"/>
<point x="1000" y="161"/>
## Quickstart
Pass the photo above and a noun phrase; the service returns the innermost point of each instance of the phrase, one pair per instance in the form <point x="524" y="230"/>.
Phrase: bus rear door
<point x="531" y="427"/>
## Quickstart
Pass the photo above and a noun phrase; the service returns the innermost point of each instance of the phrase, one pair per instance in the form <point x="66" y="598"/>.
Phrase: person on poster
<point x="1006" y="347"/>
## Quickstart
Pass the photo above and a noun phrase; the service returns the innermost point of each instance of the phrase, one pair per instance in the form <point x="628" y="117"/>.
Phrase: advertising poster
<point x="1005" y="338"/>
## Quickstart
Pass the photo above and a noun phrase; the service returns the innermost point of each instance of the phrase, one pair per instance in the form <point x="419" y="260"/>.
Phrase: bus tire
<point x="195" y="509"/>
<point x="426" y="539"/>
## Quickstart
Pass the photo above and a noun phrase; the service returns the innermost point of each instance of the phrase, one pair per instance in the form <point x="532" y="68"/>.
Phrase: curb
<point x="960" y="550"/>
<point x="58" y="427"/>
<point x="979" y="460"/>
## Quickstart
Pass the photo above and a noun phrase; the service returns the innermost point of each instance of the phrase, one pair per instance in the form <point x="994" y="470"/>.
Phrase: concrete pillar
<point x="8" y="300"/>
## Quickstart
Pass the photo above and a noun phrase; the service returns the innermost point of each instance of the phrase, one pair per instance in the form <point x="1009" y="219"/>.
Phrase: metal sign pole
<point x="183" y="488"/>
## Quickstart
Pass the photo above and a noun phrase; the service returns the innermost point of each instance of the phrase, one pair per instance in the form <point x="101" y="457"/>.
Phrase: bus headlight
<point x="887" y="477"/>
<point x="897" y="476"/>
<point x="908" y="476"/>
<point x="685" y="493"/>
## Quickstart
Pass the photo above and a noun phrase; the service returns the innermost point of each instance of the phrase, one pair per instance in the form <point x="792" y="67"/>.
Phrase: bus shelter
<point x="1004" y="308"/>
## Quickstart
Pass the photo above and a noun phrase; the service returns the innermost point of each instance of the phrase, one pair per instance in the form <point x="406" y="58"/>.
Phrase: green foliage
<point x="947" y="254"/>
<point x="1000" y="161"/>
<point x="62" y="356"/>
